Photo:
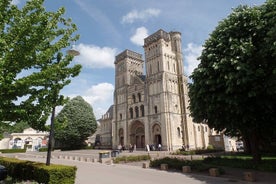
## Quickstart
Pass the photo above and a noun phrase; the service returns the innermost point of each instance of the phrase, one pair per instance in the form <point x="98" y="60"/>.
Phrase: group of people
<point x="152" y="147"/>
<point x="185" y="148"/>
<point x="131" y="147"/>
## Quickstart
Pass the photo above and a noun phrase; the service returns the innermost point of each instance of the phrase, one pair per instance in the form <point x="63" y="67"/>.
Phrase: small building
<point x="30" y="138"/>
<point x="105" y="139"/>
<point x="220" y="141"/>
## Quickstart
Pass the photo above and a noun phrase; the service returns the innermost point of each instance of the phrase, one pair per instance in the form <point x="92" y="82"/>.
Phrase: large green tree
<point x="233" y="88"/>
<point x="33" y="69"/>
<point x="74" y="124"/>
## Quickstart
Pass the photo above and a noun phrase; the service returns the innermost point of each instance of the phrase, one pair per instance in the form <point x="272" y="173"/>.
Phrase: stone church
<point x="151" y="99"/>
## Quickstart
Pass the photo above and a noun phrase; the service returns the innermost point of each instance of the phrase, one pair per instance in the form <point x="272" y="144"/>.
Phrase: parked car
<point x="3" y="172"/>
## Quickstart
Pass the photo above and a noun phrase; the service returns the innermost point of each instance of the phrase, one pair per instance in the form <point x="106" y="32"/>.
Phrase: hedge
<point x="12" y="150"/>
<point x="37" y="171"/>
<point x="132" y="158"/>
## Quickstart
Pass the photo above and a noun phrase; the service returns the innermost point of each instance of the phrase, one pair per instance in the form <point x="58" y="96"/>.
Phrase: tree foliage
<point x="74" y="124"/>
<point x="234" y="86"/>
<point x="8" y="128"/>
<point x="32" y="67"/>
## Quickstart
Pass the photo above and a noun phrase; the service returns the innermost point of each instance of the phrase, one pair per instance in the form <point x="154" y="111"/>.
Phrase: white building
<point x="30" y="138"/>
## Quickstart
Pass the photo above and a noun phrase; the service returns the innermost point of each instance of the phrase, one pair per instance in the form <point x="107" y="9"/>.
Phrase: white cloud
<point x="191" y="53"/>
<point x="143" y="15"/>
<point x="100" y="97"/>
<point x="102" y="92"/>
<point x="138" y="37"/>
<point x="95" y="57"/>
<point x="15" y="2"/>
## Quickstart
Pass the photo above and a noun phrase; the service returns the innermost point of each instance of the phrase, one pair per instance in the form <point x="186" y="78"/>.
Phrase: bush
<point x="198" y="151"/>
<point x="174" y="163"/>
<point x="132" y="158"/>
<point x="206" y="151"/>
<point x="43" y="149"/>
<point x="27" y="170"/>
<point x="13" y="150"/>
<point x="244" y="163"/>
<point x="210" y="147"/>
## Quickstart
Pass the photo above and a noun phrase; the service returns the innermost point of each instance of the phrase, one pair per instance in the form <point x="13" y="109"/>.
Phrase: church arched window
<point x="139" y="97"/>
<point x="131" y="112"/>
<point x="137" y="112"/>
<point x="142" y="110"/>
<point x="133" y="98"/>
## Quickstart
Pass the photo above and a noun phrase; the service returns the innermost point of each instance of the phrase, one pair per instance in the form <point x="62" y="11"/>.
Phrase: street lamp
<point x="71" y="52"/>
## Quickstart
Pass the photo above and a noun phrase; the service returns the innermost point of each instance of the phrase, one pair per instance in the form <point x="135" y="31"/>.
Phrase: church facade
<point x="151" y="107"/>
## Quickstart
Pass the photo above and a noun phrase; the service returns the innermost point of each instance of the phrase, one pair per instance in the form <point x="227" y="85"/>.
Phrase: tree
<point x="233" y="88"/>
<point x="75" y="123"/>
<point x="6" y="127"/>
<point x="32" y="65"/>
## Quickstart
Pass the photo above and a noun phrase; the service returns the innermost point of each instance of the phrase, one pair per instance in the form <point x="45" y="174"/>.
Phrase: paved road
<point x="95" y="172"/>
<point x="98" y="173"/>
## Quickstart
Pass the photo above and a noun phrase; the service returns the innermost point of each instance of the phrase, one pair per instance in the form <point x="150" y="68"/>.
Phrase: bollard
<point x="214" y="172"/>
<point x="88" y="160"/>
<point x="186" y="169"/>
<point x="249" y="176"/>
<point x="145" y="165"/>
<point x="164" y="167"/>
<point x="95" y="160"/>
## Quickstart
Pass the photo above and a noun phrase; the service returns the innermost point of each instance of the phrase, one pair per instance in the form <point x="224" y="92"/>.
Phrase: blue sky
<point x="108" y="27"/>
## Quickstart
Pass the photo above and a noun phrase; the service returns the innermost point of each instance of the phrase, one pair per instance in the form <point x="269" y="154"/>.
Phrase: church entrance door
<point x="137" y="134"/>
<point x="157" y="138"/>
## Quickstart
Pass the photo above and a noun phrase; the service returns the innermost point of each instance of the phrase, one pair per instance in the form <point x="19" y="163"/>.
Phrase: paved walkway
<point x="95" y="172"/>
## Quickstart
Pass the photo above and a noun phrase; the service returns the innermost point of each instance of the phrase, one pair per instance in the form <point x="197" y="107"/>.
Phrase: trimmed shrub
<point x="245" y="163"/>
<point x="174" y="163"/>
<point x="197" y="152"/>
<point x="13" y="150"/>
<point x="132" y="158"/>
<point x="27" y="170"/>
<point x="44" y="149"/>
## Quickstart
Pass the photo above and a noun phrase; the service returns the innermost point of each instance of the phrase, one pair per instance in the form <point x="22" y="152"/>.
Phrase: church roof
<point x="108" y="114"/>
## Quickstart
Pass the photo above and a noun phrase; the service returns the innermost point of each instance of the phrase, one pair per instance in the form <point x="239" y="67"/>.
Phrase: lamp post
<point x="71" y="52"/>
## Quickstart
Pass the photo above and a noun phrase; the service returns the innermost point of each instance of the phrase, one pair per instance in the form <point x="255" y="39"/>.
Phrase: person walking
<point x="159" y="147"/>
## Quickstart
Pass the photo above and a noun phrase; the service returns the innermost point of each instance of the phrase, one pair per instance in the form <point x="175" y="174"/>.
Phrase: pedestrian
<point x="159" y="147"/>
<point x="119" y="148"/>
<point x="130" y="148"/>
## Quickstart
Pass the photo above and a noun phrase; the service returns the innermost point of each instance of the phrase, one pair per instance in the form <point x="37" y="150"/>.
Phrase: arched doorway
<point x="17" y="143"/>
<point x="137" y="134"/>
<point x="156" y="132"/>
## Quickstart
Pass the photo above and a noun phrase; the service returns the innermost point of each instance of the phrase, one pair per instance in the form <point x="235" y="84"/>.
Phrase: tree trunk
<point x="254" y="145"/>
<point x="246" y="145"/>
